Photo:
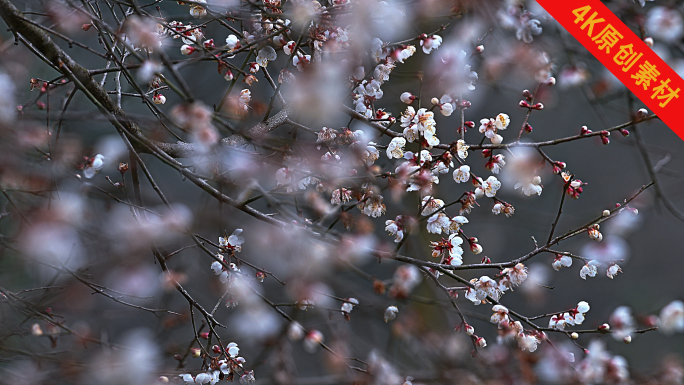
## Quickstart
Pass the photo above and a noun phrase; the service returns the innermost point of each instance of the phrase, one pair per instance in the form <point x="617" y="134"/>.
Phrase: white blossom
<point x="232" y="41"/>
<point x="94" y="166"/>
<point x="528" y="342"/>
<point x="665" y="23"/>
<point x="394" y="228"/>
<point x="395" y="149"/>
<point x="500" y="314"/>
<point x="431" y="205"/>
<point x="301" y="61"/>
<point x="488" y="187"/>
<point x="232" y="349"/>
<point x="462" y="174"/>
<point x="295" y="331"/>
<point x="613" y="270"/>
<point x="590" y="269"/>
<point x="430" y="43"/>
<point x="621" y="322"/>
<point x="266" y="55"/>
<point x="672" y="318"/>
<point x="233" y="242"/>
<point x="531" y="187"/>
<point x="244" y="99"/>
<point x="561" y="261"/>
<point x="373" y="206"/>
<point x="437" y="222"/>
<point x="348" y="305"/>
<point x="462" y="149"/>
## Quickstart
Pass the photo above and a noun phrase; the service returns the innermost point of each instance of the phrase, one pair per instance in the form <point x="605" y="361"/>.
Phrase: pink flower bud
<point x="469" y="330"/>
<point x="158" y="99"/>
<point x="649" y="41"/>
<point x="486" y="153"/>
<point x="481" y="342"/>
<point x="528" y="128"/>
<point x="216" y="349"/>
<point x="605" y="328"/>
<point x="480" y="48"/>
<point x="527" y="93"/>
<point x="204" y="335"/>
<point x="604" y="139"/>
<point x="469" y="123"/>
<point x="624" y="132"/>
<point x="187" y="50"/>
<point x="524" y="104"/>
<point x="551" y="81"/>
<point x="538" y="106"/>
<point x="585" y="130"/>
<point x="260" y="275"/>
<point x="86" y="27"/>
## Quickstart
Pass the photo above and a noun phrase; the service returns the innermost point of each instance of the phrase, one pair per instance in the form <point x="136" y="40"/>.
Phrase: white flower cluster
<point x="513" y="329"/>
<point x="231" y="365"/>
<point x="571" y="317"/>
<point x="485" y="286"/>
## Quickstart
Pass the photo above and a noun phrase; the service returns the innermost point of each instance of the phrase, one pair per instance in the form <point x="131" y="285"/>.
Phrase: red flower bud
<point x="528" y="128"/>
<point x="524" y="104"/>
